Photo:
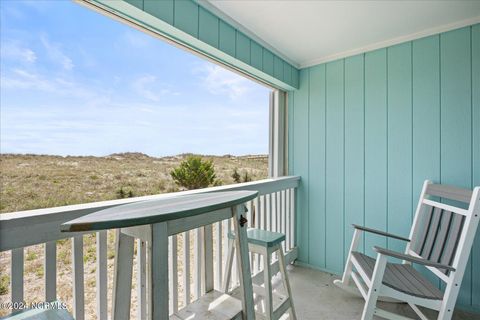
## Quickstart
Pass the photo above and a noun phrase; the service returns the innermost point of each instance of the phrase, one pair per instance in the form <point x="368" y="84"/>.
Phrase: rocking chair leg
<point x="374" y="290"/>
<point x="347" y="273"/>
<point x="349" y="265"/>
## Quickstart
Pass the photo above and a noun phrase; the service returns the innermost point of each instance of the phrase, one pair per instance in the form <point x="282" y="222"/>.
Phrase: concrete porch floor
<point x="316" y="297"/>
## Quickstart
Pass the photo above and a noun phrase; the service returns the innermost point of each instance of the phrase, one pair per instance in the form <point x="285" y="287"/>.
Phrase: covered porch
<point x="354" y="132"/>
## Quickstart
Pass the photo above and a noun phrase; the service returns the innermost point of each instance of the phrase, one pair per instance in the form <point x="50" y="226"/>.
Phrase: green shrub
<point x="236" y="176"/>
<point x="122" y="193"/>
<point x="194" y="173"/>
<point x="246" y="177"/>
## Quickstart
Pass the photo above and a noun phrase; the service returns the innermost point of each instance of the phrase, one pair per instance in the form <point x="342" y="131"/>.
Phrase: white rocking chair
<point x="440" y="239"/>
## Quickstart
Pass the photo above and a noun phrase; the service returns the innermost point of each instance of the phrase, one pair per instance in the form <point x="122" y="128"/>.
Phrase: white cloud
<point x="218" y="80"/>
<point x="21" y="79"/>
<point x="136" y="39"/>
<point x="149" y="88"/>
<point x="142" y="86"/>
<point x="56" y="54"/>
<point x="16" y="51"/>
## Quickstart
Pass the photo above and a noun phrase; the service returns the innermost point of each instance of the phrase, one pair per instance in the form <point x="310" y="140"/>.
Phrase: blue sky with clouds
<point x="74" y="82"/>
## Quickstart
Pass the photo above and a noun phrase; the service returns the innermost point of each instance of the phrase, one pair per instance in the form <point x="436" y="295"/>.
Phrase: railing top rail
<point x="280" y="182"/>
<point x="24" y="228"/>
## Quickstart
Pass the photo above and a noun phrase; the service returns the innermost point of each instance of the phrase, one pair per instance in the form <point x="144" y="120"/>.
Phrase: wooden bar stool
<point x="265" y="243"/>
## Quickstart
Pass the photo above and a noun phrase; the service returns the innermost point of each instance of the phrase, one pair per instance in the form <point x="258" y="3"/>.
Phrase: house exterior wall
<point x="188" y="23"/>
<point x="367" y="130"/>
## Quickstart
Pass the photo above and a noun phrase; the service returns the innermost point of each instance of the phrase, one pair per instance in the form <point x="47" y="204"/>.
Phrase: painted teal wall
<point x="366" y="131"/>
<point x="193" y="19"/>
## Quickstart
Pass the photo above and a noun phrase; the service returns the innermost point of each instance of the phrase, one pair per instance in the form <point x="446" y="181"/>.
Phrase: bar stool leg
<point x="267" y="274"/>
<point x="241" y="246"/>
<point x="122" y="282"/>
<point x="228" y="266"/>
<point x="286" y="283"/>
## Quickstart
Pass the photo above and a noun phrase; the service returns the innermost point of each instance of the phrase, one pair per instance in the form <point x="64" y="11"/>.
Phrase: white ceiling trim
<point x="391" y="42"/>
<point x="225" y="17"/>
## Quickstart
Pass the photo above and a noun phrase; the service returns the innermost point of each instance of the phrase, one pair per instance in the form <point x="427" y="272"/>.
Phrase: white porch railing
<point x="273" y="209"/>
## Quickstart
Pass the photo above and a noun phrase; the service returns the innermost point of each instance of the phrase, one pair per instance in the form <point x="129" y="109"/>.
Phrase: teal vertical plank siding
<point x="426" y="118"/>
<point x="268" y="62"/>
<point x="354" y="146"/>
<point x="411" y="112"/>
<point x="334" y="173"/>
<point x="295" y="74"/>
<point x="227" y="38"/>
<point x="456" y="112"/>
<point x="476" y="155"/>
<point x="186" y="16"/>
<point x="208" y="27"/>
<point x="426" y="112"/>
<point x="317" y="122"/>
<point x="160" y="9"/>
<point x="287" y="72"/>
<point x="300" y="147"/>
<point x="277" y="67"/>
<point x="136" y="3"/>
<point x="242" y="47"/>
<point x="256" y="55"/>
<point x="375" y="146"/>
<point x="399" y="135"/>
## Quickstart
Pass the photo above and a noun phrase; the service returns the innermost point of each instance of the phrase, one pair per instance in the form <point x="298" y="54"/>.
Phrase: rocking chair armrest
<point x="386" y="234"/>
<point x="413" y="259"/>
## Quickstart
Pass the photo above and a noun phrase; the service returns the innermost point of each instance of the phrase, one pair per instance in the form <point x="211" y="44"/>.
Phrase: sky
<point x="75" y="82"/>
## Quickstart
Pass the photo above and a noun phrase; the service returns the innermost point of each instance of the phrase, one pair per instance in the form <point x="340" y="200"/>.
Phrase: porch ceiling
<point x="312" y="32"/>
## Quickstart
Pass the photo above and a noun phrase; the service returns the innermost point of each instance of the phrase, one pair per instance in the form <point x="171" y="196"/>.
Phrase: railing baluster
<point x="263" y="220"/>
<point x="197" y="275"/>
<point x="234" y="276"/>
<point x="293" y="218"/>
<point x="270" y="207"/>
<point x="16" y="273"/>
<point x="208" y="258"/>
<point x="50" y="265"/>
<point x="78" y="283"/>
<point x="256" y="222"/>
<point x="101" y="275"/>
<point x="141" y="280"/>
<point x="173" y="273"/>
<point x="186" y="267"/>
<point x="278" y="212"/>
<point x="284" y="216"/>
<point x="218" y="248"/>
<point x="288" y="221"/>
<point x="226" y="224"/>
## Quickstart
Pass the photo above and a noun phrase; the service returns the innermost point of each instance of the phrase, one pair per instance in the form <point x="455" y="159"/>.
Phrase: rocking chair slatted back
<point x="437" y="231"/>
